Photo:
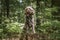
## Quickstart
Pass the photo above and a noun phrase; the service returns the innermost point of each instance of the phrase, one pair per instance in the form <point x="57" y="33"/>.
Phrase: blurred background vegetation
<point x="47" y="13"/>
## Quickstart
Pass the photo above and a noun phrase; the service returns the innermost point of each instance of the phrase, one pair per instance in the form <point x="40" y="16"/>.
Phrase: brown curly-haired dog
<point x="29" y="11"/>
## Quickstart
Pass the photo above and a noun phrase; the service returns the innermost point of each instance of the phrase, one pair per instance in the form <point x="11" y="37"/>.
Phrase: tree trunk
<point x="7" y="7"/>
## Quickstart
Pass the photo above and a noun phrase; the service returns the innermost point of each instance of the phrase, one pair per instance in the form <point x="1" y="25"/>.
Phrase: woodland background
<point x="12" y="17"/>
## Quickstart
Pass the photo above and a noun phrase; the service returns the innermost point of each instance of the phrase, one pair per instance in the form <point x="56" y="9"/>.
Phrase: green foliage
<point x="15" y="27"/>
<point x="1" y="30"/>
<point x="45" y="13"/>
